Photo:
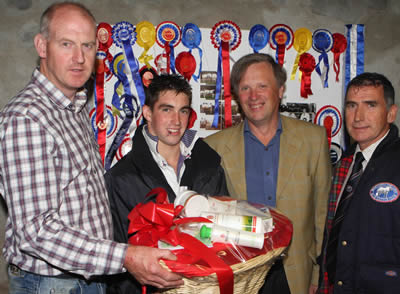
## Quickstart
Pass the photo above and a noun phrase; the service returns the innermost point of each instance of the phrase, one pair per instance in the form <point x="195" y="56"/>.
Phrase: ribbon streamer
<point x="168" y="35"/>
<point x="146" y="37"/>
<point x="124" y="37"/>
<point x="322" y="42"/>
<point x="339" y="46"/>
<point x="302" y="43"/>
<point x="281" y="39"/>
<point x="226" y="37"/>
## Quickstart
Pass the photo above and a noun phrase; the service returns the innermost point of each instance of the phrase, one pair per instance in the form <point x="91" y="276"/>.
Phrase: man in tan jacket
<point x="281" y="162"/>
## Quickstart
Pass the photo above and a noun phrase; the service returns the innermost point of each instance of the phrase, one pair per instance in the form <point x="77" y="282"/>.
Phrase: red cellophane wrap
<point x="152" y="222"/>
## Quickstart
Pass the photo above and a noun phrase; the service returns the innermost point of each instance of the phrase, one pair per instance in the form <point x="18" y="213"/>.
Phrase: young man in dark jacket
<point x="165" y="154"/>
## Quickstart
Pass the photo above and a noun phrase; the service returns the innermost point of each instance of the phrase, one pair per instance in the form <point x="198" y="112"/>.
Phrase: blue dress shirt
<point x="261" y="164"/>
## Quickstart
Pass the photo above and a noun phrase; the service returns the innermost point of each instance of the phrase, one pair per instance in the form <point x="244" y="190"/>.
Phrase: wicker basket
<point x="248" y="277"/>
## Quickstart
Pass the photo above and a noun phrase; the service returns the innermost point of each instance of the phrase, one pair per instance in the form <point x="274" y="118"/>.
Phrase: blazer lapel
<point x="234" y="159"/>
<point x="288" y="153"/>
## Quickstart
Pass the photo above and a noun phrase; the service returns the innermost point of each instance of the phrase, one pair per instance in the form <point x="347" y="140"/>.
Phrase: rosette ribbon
<point x="185" y="65"/>
<point x="225" y="36"/>
<point x="104" y="35"/>
<point x="129" y="108"/>
<point x="302" y="43"/>
<point x="191" y="38"/>
<point x="281" y="39"/>
<point x="104" y="32"/>
<point x="168" y="35"/>
<point x="151" y="222"/>
<point x="339" y="46"/>
<point x="258" y="37"/>
<point x="322" y="43"/>
<point x="124" y="37"/>
<point x="146" y="37"/>
<point x="306" y="66"/>
<point x="101" y="125"/>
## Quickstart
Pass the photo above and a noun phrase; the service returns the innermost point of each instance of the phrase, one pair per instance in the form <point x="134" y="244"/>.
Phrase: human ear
<point x="40" y="45"/>
<point x="391" y="116"/>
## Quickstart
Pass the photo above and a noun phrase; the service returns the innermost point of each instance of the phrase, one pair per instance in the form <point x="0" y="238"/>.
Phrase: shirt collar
<point x="188" y="140"/>
<point x="367" y="152"/>
<point x="278" y="130"/>
<point x="56" y="96"/>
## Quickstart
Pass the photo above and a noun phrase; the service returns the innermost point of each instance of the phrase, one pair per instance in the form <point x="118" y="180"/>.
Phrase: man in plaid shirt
<point x="59" y="231"/>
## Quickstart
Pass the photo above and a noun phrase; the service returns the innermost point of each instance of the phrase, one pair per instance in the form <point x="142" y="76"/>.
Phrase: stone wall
<point x="19" y="22"/>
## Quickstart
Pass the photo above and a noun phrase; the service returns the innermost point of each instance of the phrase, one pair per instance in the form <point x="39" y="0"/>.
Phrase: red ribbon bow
<point x="158" y="221"/>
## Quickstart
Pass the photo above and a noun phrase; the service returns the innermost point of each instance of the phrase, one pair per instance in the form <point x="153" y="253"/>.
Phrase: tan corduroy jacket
<point x="304" y="178"/>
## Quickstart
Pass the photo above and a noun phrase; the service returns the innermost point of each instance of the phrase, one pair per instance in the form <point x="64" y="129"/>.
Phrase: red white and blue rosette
<point x="110" y="121"/>
<point x="226" y="31"/>
<point x="225" y="36"/>
<point x="191" y="38"/>
<point x="124" y="148"/>
<point x="124" y="36"/>
<point x="322" y="43"/>
<point x="168" y="36"/>
<point x="281" y="39"/>
<point x="330" y="118"/>
<point x="258" y="37"/>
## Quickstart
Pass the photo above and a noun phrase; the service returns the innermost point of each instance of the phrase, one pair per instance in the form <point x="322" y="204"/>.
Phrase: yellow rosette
<point x="302" y="43"/>
<point x="146" y="37"/>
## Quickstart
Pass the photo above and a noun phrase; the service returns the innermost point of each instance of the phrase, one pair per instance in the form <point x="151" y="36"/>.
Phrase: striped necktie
<point x="344" y="202"/>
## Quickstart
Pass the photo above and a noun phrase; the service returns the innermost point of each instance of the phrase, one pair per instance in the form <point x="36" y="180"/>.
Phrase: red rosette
<point x="307" y="63"/>
<point x="339" y="46"/>
<point x="306" y="66"/>
<point x="192" y="118"/>
<point x="185" y="64"/>
<point x="104" y="35"/>
<point x="226" y="31"/>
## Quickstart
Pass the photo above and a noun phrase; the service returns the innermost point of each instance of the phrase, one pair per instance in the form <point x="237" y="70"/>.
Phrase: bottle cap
<point x="205" y="232"/>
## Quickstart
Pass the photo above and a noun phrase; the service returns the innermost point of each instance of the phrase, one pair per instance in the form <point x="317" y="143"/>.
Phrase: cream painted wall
<point x="19" y="21"/>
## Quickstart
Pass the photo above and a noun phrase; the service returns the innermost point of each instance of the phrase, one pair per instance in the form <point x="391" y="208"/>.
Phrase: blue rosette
<point x="322" y="43"/>
<point x="258" y="37"/>
<point x="191" y="38"/>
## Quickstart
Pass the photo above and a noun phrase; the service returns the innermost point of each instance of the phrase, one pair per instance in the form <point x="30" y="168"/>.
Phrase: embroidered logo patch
<point x="391" y="273"/>
<point x="384" y="192"/>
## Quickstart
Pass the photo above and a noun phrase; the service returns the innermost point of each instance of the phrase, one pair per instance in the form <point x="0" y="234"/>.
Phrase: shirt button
<point x="267" y="173"/>
<point x="344" y="243"/>
<point x="340" y="283"/>
<point x="269" y="197"/>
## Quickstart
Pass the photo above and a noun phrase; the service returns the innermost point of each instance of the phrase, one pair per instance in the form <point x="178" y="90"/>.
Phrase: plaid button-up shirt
<point x="339" y="177"/>
<point x="51" y="178"/>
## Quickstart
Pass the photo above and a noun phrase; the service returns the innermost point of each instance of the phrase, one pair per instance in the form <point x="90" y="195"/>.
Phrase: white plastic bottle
<point x="227" y="235"/>
<point x="193" y="203"/>
<point x="246" y="223"/>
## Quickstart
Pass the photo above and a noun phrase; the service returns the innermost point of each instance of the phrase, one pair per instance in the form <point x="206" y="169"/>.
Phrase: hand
<point x="313" y="289"/>
<point x="143" y="263"/>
